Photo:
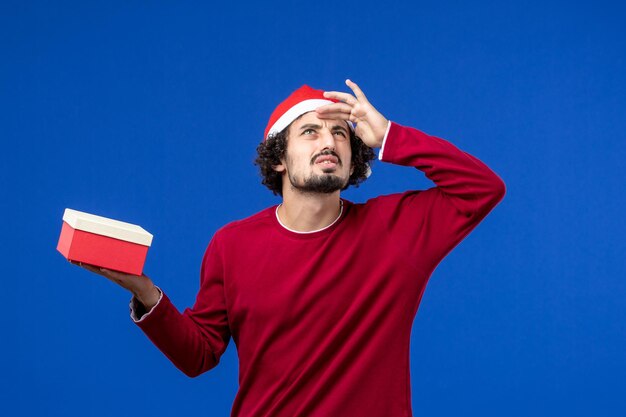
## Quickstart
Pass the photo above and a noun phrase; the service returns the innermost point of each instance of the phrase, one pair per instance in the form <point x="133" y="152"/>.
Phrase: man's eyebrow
<point x="310" y="126"/>
<point x="340" y="127"/>
<point x="315" y="126"/>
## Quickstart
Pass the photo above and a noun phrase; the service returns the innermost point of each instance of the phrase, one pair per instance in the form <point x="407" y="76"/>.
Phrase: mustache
<point x="324" y="153"/>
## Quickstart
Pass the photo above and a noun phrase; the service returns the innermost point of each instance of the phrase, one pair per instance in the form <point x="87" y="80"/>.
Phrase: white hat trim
<point x="295" y="112"/>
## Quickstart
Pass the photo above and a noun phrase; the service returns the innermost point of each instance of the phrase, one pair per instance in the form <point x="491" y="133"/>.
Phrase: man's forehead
<point x="312" y="118"/>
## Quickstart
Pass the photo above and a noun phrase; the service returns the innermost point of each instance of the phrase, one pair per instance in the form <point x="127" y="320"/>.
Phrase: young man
<point x="319" y="294"/>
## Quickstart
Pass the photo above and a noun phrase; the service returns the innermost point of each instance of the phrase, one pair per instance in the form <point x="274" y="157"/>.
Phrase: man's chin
<point x="325" y="184"/>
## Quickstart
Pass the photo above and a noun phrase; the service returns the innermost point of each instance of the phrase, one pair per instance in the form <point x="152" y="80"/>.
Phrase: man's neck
<point x="308" y="212"/>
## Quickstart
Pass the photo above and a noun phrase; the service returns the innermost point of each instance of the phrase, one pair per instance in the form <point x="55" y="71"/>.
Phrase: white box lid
<point x="107" y="227"/>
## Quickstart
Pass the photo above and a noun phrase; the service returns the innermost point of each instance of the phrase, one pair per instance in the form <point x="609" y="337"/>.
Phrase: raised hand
<point x="370" y="124"/>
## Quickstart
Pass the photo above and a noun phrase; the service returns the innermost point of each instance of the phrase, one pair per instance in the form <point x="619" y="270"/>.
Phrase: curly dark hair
<point x="270" y="153"/>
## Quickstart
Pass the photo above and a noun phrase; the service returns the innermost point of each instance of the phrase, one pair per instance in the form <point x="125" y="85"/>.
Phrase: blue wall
<point x="151" y="113"/>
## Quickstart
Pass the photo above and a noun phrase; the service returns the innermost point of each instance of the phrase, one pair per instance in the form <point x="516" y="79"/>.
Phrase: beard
<point x="324" y="184"/>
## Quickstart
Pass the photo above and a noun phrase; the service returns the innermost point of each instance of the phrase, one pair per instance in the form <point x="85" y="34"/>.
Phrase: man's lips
<point x="327" y="160"/>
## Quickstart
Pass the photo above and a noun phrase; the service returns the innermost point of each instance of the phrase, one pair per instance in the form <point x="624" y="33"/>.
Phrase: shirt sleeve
<point x="428" y="224"/>
<point x="138" y="311"/>
<point x="382" y="147"/>
<point x="195" y="339"/>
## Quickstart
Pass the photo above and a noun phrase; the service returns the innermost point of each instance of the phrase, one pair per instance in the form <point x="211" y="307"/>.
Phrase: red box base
<point x="102" y="251"/>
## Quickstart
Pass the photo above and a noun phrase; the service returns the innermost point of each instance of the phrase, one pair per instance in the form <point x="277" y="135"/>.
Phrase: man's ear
<point x="279" y="168"/>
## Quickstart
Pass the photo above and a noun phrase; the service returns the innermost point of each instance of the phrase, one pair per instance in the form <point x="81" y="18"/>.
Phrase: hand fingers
<point x="334" y="108"/>
<point x="357" y="91"/>
<point x="107" y="273"/>
<point x="343" y="97"/>
<point x="124" y="280"/>
<point x="117" y="276"/>
<point x="92" y="269"/>
<point x="88" y="267"/>
<point x="336" y="115"/>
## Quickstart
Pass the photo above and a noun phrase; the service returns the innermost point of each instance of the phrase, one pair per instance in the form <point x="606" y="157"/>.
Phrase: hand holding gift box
<point x="111" y="248"/>
<point x="141" y="287"/>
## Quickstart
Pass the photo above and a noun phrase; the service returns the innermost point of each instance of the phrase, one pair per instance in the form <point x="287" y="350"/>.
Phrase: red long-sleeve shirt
<point x="322" y="320"/>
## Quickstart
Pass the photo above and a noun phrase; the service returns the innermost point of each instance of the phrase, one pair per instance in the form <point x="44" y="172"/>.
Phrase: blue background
<point x="150" y="112"/>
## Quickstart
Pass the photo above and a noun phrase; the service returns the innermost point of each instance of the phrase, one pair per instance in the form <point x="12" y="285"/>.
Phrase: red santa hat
<point x="303" y="100"/>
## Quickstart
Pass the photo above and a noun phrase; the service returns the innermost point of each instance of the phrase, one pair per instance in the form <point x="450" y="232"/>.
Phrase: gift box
<point x="103" y="242"/>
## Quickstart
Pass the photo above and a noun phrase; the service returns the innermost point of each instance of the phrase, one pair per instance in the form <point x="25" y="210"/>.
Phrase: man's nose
<point x="327" y="139"/>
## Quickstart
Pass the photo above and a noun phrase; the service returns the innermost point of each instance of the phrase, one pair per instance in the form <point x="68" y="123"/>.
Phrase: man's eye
<point x="308" y="132"/>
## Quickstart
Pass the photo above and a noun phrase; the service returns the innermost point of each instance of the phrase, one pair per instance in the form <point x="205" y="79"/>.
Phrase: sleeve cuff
<point x="137" y="310"/>
<point x="382" y="147"/>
